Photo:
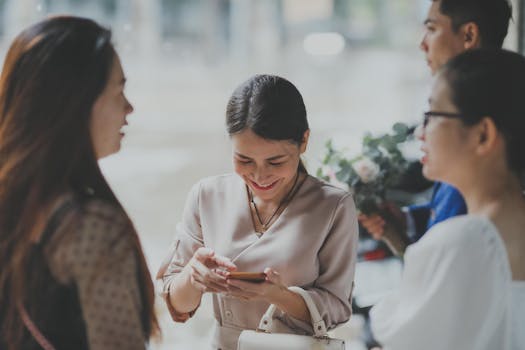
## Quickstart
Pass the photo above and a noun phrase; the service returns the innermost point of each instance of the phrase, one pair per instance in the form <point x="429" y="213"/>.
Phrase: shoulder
<point x="217" y="185"/>
<point x="209" y="191"/>
<point x="320" y="191"/>
<point x="218" y="182"/>
<point x="460" y="229"/>
<point x="459" y="235"/>
<point x="102" y="225"/>
<point x="91" y="215"/>
<point x="96" y="231"/>
<point x="98" y="215"/>
<point x="100" y="210"/>
<point x="461" y="251"/>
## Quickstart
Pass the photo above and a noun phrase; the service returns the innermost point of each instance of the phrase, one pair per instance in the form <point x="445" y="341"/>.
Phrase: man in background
<point x="451" y="27"/>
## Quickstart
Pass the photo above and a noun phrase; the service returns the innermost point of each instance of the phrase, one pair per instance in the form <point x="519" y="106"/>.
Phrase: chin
<point x="429" y="174"/>
<point x="108" y="153"/>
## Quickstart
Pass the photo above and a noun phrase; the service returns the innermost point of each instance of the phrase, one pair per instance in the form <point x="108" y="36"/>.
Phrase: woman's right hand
<point x="375" y="223"/>
<point x="205" y="271"/>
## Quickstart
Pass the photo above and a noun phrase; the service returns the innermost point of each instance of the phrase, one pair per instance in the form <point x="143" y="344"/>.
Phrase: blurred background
<point x="356" y="62"/>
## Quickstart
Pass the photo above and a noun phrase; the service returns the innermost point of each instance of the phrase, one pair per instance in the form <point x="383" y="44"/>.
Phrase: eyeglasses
<point x="427" y="115"/>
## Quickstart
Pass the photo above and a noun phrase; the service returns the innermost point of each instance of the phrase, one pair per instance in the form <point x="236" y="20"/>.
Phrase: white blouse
<point x="456" y="292"/>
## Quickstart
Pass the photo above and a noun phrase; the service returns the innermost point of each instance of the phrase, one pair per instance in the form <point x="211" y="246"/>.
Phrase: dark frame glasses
<point x="427" y="115"/>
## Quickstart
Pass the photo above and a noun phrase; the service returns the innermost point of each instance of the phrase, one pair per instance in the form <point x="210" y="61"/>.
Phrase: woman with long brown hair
<point x="73" y="273"/>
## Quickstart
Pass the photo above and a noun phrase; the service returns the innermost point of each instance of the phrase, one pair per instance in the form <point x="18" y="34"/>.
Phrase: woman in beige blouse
<point x="72" y="274"/>
<point x="270" y="216"/>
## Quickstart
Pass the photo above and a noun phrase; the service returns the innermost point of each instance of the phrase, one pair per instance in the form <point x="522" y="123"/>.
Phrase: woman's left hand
<point x="268" y="290"/>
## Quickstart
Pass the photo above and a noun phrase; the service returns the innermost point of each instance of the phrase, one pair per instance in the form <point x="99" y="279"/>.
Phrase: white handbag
<point x="262" y="338"/>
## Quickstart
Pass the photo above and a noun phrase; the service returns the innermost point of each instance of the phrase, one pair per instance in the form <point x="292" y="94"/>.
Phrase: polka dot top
<point x="92" y="250"/>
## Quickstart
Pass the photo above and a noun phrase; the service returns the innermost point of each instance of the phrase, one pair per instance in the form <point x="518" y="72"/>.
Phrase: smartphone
<point x="256" y="277"/>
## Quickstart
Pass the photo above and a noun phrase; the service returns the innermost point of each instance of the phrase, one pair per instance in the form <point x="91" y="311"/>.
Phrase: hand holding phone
<point x="254" y="277"/>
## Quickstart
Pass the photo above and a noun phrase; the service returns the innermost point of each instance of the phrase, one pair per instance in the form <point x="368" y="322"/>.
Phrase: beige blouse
<point x="312" y="244"/>
<point x="97" y="256"/>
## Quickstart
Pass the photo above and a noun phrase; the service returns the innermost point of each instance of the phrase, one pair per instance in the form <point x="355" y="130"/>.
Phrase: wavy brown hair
<point x="53" y="73"/>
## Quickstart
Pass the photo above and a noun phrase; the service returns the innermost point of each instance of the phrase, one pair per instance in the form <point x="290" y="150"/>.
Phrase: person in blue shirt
<point x="451" y="27"/>
<point x="445" y="203"/>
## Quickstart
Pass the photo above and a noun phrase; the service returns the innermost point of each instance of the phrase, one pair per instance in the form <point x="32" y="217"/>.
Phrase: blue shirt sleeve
<point x="446" y="202"/>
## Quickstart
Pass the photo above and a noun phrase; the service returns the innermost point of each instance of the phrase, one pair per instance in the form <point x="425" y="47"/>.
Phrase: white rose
<point x="366" y="169"/>
<point x="330" y="173"/>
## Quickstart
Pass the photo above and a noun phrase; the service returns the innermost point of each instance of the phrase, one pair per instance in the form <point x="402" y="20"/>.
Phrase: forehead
<point x="117" y="73"/>
<point x="435" y="15"/>
<point x="252" y="145"/>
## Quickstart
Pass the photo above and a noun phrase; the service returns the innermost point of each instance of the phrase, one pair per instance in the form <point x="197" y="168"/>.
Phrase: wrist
<point x="280" y="296"/>
<point x="187" y="280"/>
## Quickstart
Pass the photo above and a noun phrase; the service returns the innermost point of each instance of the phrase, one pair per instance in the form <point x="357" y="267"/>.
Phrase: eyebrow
<point x="429" y="21"/>
<point x="271" y="158"/>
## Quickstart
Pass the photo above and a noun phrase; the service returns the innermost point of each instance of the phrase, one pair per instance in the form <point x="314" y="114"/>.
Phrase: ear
<point x="470" y="34"/>
<point x="487" y="136"/>
<point x="304" y="143"/>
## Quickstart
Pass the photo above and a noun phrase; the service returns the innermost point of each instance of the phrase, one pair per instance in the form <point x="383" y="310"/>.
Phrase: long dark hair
<point x="52" y="75"/>
<point x="271" y="107"/>
<point x="490" y="83"/>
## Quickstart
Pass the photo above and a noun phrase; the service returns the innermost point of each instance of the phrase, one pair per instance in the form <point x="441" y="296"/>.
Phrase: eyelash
<point x="249" y="161"/>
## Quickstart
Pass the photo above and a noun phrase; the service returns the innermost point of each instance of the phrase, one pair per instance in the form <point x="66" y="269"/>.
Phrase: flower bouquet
<point x="371" y="174"/>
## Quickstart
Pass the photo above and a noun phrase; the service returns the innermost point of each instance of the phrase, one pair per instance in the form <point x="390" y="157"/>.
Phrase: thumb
<point x="272" y="275"/>
<point x="203" y="253"/>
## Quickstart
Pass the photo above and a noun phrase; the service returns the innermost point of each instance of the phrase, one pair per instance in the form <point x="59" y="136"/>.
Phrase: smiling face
<point x="268" y="167"/>
<point x="440" y="42"/>
<point x="109" y="113"/>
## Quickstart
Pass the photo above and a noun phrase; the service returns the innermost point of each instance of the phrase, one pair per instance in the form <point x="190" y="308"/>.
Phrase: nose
<point x="419" y="133"/>
<point x="129" y="106"/>
<point x="423" y="44"/>
<point x="260" y="174"/>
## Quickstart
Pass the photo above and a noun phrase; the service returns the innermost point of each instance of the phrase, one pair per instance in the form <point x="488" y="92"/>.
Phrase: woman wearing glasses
<point x="464" y="282"/>
<point x="269" y="216"/>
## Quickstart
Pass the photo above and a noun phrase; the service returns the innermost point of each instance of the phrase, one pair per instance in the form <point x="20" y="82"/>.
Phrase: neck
<point x="500" y="195"/>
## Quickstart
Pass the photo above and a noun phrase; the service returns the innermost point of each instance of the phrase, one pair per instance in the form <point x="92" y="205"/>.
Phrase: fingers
<point x="221" y="272"/>
<point x="272" y="276"/>
<point x="239" y="292"/>
<point x="225" y="263"/>
<point x="201" y="274"/>
<point x="211" y="288"/>
<point x="203" y="253"/>
<point x="205" y="272"/>
<point x="266" y="290"/>
<point x="368" y="220"/>
<point x="208" y="257"/>
<point x="209" y="271"/>
<point x="205" y="285"/>
<point x="374" y="224"/>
